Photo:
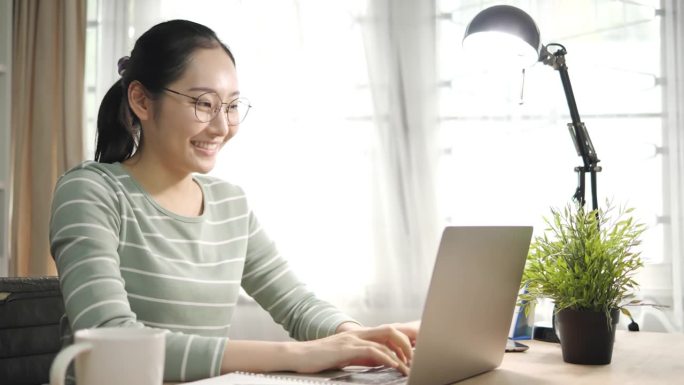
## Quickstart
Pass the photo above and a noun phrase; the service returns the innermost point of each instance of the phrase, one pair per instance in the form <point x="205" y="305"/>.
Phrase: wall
<point x="5" y="85"/>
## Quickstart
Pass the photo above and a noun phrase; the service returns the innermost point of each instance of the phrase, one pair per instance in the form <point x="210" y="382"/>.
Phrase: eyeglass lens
<point x="209" y="104"/>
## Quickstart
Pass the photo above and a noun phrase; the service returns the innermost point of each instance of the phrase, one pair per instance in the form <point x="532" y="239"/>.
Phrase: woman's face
<point x="177" y="138"/>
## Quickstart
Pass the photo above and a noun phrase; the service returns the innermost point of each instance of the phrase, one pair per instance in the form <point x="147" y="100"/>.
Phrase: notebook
<point x="466" y="317"/>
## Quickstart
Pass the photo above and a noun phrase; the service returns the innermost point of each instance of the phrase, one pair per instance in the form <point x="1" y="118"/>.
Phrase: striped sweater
<point x="125" y="261"/>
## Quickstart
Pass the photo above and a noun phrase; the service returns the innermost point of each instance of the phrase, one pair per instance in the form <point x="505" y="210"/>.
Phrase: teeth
<point x="206" y="145"/>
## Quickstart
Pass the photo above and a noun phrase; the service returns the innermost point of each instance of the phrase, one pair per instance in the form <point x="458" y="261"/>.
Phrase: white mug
<point x="113" y="356"/>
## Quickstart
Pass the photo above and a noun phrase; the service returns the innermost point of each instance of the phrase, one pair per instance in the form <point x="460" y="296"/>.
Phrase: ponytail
<point x="117" y="137"/>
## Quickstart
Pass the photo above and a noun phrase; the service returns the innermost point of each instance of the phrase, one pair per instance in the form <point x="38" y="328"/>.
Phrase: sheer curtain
<point x="337" y="155"/>
<point x="624" y="60"/>
<point x="371" y="129"/>
<point x="399" y="39"/>
<point x="673" y="33"/>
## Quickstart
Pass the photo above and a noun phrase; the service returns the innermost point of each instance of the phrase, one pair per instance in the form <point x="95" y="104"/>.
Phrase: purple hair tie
<point x="122" y="64"/>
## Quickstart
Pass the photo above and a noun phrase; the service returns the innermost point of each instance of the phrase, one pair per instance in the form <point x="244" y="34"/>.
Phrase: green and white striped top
<point x="124" y="260"/>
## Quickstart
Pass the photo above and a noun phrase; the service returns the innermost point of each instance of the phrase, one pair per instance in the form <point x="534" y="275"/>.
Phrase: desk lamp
<point x="507" y="34"/>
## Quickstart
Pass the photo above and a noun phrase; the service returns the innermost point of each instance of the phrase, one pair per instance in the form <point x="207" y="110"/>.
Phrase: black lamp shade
<point x="506" y="22"/>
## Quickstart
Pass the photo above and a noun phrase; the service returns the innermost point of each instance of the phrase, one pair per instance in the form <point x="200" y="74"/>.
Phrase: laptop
<point x="467" y="313"/>
<point x="469" y="305"/>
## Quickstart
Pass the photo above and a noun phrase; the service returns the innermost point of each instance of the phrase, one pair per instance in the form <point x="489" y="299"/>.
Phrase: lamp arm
<point x="578" y="131"/>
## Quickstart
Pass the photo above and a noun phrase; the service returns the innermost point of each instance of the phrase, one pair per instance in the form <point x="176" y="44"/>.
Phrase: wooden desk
<point x="638" y="358"/>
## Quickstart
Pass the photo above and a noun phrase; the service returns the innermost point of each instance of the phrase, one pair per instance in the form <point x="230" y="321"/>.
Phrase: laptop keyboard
<point x="375" y="376"/>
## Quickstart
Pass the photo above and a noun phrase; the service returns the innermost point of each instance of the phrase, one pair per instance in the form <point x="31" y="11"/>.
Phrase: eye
<point x="208" y="102"/>
<point x="204" y="104"/>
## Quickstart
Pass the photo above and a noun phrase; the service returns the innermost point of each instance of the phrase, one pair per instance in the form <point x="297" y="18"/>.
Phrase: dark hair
<point x="159" y="57"/>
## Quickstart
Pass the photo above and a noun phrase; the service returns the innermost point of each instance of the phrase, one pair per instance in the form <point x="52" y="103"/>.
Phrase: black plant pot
<point x="586" y="337"/>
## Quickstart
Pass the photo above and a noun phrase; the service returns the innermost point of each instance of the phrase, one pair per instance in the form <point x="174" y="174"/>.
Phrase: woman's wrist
<point x="261" y="356"/>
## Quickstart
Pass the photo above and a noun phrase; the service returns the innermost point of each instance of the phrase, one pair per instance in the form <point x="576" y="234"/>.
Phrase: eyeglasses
<point x="209" y="104"/>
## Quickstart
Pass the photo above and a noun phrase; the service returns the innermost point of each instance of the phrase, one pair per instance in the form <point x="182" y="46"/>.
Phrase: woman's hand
<point x="410" y="329"/>
<point x="388" y="345"/>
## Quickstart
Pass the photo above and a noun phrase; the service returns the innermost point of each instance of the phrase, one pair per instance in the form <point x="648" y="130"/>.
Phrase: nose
<point x="219" y="125"/>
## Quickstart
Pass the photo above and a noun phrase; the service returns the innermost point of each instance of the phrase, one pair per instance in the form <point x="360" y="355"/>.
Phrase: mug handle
<point x="62" y="361"/>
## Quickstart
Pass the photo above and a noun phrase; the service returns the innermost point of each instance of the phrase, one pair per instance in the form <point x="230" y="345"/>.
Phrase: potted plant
<point x="585" y="262"/>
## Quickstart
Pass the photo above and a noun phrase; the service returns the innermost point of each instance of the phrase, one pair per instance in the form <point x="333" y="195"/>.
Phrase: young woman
<point x="142" y="238"/>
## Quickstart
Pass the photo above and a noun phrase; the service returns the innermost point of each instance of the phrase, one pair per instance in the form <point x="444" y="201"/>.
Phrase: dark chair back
<point x="30" y="312"/>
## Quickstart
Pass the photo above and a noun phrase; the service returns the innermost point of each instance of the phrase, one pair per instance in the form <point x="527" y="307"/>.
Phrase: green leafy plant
<point x="585" y="260"/>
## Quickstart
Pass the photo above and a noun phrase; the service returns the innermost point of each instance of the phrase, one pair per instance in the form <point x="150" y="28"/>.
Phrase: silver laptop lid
<point x="470" y="303"/>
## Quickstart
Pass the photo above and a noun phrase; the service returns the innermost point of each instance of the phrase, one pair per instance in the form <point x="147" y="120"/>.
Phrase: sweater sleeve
<point x="270" y="281"/>
<point x="84" y="238"/>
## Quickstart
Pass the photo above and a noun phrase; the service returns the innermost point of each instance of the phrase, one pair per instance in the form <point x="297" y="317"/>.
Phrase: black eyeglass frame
<point x="197" y="99"/>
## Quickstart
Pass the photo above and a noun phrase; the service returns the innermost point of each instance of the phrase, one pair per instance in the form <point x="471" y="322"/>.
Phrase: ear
<point x="139" y="101"/>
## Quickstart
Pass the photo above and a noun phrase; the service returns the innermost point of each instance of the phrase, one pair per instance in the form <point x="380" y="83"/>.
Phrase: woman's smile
<point x="207" y="147"/>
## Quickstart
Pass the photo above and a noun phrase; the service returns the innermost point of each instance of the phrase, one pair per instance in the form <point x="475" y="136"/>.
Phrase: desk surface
<point x="638" y="358"/>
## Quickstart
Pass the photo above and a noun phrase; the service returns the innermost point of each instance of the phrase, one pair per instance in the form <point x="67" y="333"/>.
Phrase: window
<point x="305" y="153"/>
<point x="507" y="162"/>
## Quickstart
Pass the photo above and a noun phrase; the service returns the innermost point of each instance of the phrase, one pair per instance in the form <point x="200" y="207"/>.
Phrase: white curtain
<point x="399" y="38"/>
<point x="625" y="61"/>
<point x="673" y="35"/>
<point x="338" y="155"/>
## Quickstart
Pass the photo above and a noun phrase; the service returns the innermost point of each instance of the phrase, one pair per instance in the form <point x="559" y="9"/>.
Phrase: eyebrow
<point x="207" y="89"/>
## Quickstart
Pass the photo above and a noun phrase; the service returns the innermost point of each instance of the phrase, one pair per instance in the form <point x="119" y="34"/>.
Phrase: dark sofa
<point x="30" y="312"/>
